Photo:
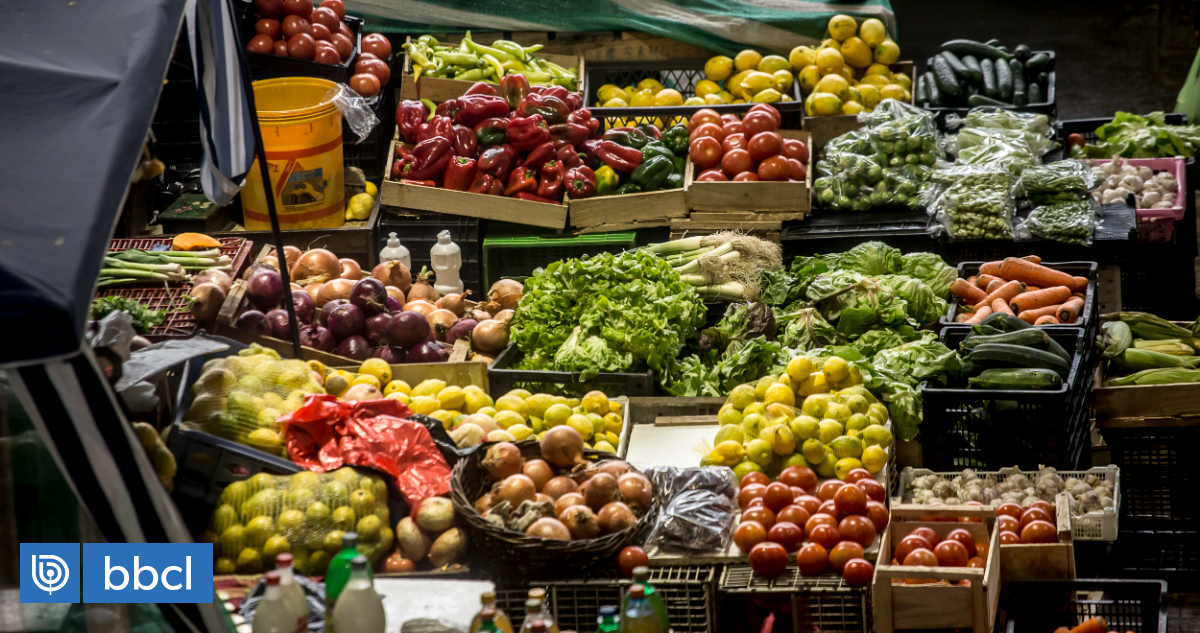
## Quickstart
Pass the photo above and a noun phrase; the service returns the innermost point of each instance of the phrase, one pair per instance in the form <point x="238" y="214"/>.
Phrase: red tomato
<point x="765" y="145"/>
<point x="789" y="535"/>
<point x="756" y="122"/>
<point x="795" y="148"/>
<point x="261" y="43"/>
<point x="754" y="477"/>
<point x="322" y="15"/>
<point x="750" y="492"/>
<point x="364" y="84"/>
<point x="630" y="558"/>
<point x="398" y="564"/>
<point x="828" y="507"/>
<point x="321" y="33"/>
<point x="1009" y="538"/>
<point x="303" y="46"/>
<point x="707" y="129"/>
<point x="928" y="534"/>
<point x="281" y="48"/>
<point x="819" y="519"/>
<point x="793" y="514"/>
<point x="377" y="44"/>
<point x="842" y="553"/>
<point x="976" y="562"/>
<point x="1005" y="523"/>
<point x="343" y="44"/>
<point x="735" y="162"/>
<point x="294" y="24"/>
<point x="756" y="502"/>
<point x="848" y="499"/>
<point x="797" y="492"/>
<point x="778" y="496"/>
<point x="328" y="55"/>
<point x="712" y="175"/>
<point x="858" y="572"/>
<point x="269" y="8"/>
<point x="827" y="488"/>
<point x="858" y="474"/>
<point x="799" y="171"/>
<point x="812" y="559"/>
<point x="825" y="535"/>
<point x="298" y="7"/>
<point x="1011" y="509"/>
<point x="762" y="107"/>
<point x="706" y="152"/>
<point x="873" y="489"/>
<point x="338" y="7"/>
<point x="1034" y="514"/>
<point x="859" y="529"/>
<point x="801" y="476"/>
<point x="268" y="27"/>
<point x="730" y="118"/>
<point x="910" y="543"/>
<point x="922" y="558"/>
<point x="964" y="537"/>
<point x="951" y="553"/>
<point x="878" y="513"/>
<point x="733" y="141"/>
<point x="971" y="519"/>
<point x="733" y="127"/>
<point x="762" y="515"/>
<point x="748" y="534"/>
<point x="374" y="67"/>
<point x="746" y="176"/>
<point x="704" y="115"/>
<point x="808" y="502"/>
<point x="1044" y="505"/>
<point x="768" y="559"/>
<point x="1039" y="532"/>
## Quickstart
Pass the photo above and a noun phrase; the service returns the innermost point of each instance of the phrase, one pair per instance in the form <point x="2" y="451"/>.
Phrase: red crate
<point x="178" y="321"/>
<point x="237" y="248"/>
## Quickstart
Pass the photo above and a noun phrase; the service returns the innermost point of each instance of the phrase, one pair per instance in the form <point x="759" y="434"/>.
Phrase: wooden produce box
<point x="936" y="606"/>
<point x="629" y="211"/>
<point x="476" y="205"/>
<point x="1143" y="401"/>
<point x="752" y="201"/>
<point x="1042" y="561"/>
<point x="825" y="128"/>
<point x="437" y="89"/>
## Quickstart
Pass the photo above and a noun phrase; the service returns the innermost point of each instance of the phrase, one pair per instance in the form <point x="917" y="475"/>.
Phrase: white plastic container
<point x="394" y="251"/>
<point x="293" y="593"/>
<point x="359" y="608"/>
<point x="446" y="258"/>
<point x="272" y="615"/>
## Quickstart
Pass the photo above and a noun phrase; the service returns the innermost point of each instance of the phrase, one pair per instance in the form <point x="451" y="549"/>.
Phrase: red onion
<point x="407" y="329"/>
<point x="265" y="289"/>
<point x="305" y="306"/>
<point x="441" y="320"/>
<point x="354" y="347"/>
<point x="317" y="337"/>
<point x="462" y="329"/>
<point x="323" y="316"/>
<point x="346" y="321"/>
<point x="391" y="355"/>
<point x="278" y="318"/>
<point x="377" y="328"/>
<point x="370" y="296"/>
<point x="393" y="305"/>
<point x="429" y="352"/>
<point x="254" y="321"/>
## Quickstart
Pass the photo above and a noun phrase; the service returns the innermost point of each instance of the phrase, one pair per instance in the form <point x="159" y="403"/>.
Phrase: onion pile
<point x="561" y="496"/>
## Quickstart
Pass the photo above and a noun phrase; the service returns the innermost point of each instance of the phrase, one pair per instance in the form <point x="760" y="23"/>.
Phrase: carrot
<point x="963" y="289"/>
<point x="1020" y="270"/>
<point x="1029" y="316"/>
<point x="962" y="317"/>
<point x="1092" y="625"/>
<point x="973" y="280"/>
<point x="1078" y="295"/>
<point x="1069" y="311"/>
<point x="1062" y="629"/>
<point x="1081" y="284"/>
<point x="984" y="280"/>
<point x="1032" y="258"/>
<point x="993" y="284"/>
<point x="1047" y="319"/>
<point x="1007" y="291"/>
<point x="1000" y="305"/>
<point x="990" y="268"/>
<point x="1040" y="298"/>
<point x="1029" y="288"/>
<point x="979" y="315"/>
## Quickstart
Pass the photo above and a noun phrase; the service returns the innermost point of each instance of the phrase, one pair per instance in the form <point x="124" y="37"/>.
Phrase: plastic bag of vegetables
<point x="1000" y="147"/>
<point x="973" y="202"/>
<point x="993" y="117"/>
<point x="1060" y="181"/>
<point x="971" y="137"/>
<point x="1071" y="222"/>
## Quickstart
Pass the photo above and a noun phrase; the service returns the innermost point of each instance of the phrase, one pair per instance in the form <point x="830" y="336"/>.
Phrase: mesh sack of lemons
<point x="305" y="514"/>
<point x="849" y="71"/>
<point x="815" y="414"/>
<point x="241" y="397"/>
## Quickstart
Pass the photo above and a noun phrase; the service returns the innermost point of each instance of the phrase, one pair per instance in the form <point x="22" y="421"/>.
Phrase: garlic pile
<point x="1090" y="494"/>
<point x="1152" y="191"/>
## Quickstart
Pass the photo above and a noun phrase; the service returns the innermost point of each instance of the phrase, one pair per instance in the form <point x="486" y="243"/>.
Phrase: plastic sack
<point x="973" y="202"/>
<point x="1070" y="222"/>
<point x="971" y="137"/>
<point x="669" y="481"/>
<point x="993" y="117"/>
<point x="327" y="433"/>
<point x="1002" y="148"/>
<point x="355" y="109"/>
<point x="304" y="513"/>
<point x="1060" y="181"/>
<point x="694" y="521"/>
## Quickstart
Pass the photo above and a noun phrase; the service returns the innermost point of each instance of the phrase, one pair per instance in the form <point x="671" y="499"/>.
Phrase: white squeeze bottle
<point x="446" y="258"/>
<point x="359" y="609"/>
<point x="272" y="615"/>
<point x="293" y="593"/>
<point x="395" y="251"/>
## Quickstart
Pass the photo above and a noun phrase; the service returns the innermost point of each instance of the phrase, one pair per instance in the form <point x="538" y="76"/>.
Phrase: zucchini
<point x="992" y="42"/>
<point x="935" y="94"/>
<point x="921" y="94"/>
<point x="1021" y="52"/>
<point x="1023" y="378"/>
<point x="944" y="76"/>
<point x="1004" y="82"/>
<point x="1018" y="356"/>
<point x="971" y="47"/>
<point x="1019" y="99"/>
<point x="972" y="65"/>
<point x="1042" y="77"/>
<point x="1005" y="322"/>
<point x="1038" y="62"/>
<point x="988" y="68"/>
<point x="1035" y="93"/>
<point x="957" y="66"/>
<point x="1018" y="78"/>
<point x="1025" y="338"/>
<point x="981" y="100"/>
<point x="986" y="330"/>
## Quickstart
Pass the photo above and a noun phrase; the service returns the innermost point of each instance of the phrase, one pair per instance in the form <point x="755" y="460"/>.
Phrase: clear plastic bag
<point x="669" y="481"/>
<point x="1070" y="222"/>
<point x="1002" y="148"/>
<point x="355" y="109"/>
<point x="1060" y="181"/>
<point x="993" y="117"/>
<point x="974" y="136"/>
<point x="973" y="202"/>
<point x="694" y="521"/>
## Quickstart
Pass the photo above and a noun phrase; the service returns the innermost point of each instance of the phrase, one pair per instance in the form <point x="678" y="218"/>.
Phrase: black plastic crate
<point x="1158" y="479"/>
<point x="1048" y="107"/>
<point x="682" y="75"/>
<point x="1087" y="320"/>
<point x="837" y="232"/>
<point x="370" y="154"/>
<point x="419" y="233"/>
<point x="1040" y="606"/>
<point x="503" y="379"/>
<point x="264" y="66"/>
<point x="990" y="429"/>
<point x="1173" y="556"/>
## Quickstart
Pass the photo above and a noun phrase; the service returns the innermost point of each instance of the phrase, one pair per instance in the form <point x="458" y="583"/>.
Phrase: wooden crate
<point x="1043" y="561"/>
<point x="637" y="209"/>
<point x="905" y="607"/>
<point x="755" y="201"/>
<point x="825" y="128"/>
<point x="437" y="89"/>
<point x="1143" y="401"/>
<point x="476" y="205"/>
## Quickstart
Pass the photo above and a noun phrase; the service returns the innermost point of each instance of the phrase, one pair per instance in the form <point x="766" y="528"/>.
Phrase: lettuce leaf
<point x="931" y="269"/>
<point x="806" y="329"/>
<point x="922" y="304"/>
<point x="713" y="375"/>
<point x="871" y="258"/>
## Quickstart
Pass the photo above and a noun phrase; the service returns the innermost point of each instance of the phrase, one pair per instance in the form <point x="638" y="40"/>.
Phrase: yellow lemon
<point x="713" y="99"/>
<point x="365" y="379"/>
<point x="829" y="60"/>
<point x="613" y="423"/>
<point x="731" y="452"/>
<point x="597" y="423"/>
<point x="605" y="91"/>
<point x="758" y="451"/>
<point x="852" y="94"/>
<point x="556" y="415"/>
<point x="616" y="102"/>
<point x="760" y="389"/>
<point x="846" y="446"/>
<point x="509" y="402"/>
<point x="838" y="411"/>
<point x="652" y="85"/>
<point x="614" y="407"/>
<point x="520" y="393"/>
<point x="874" y="459"/>
<point x="887" y="52"/>
<point x="729" y="432"/>
<point x="770" y="95"/>
<point x="799" y="368"/>
<point x="805" y="427"/>
<point x="397" y="386"/>
<point x="747" y="60"/>
<point x="856" y="52"/>
<point x="725" y="96"/>
<point x="841" y="27"/>
<point x="706" y="87"/>
<point x="857" y="422"/>
<point x="878" y="81"/>
<point x="582" y="424"/>
<point x="787" y="381"/>
<point x="378" y="368"/>
<point x="754" y="407"/>
<point x="741" y="470"/>
<point x="892" y="91"/>
<point x="612" y="438"/>
<point x="520" y="431"/>
<point x="755" y="82"/>
<point x="835" y="369"/>
<point x="801" y="56"/>
<point x="827" y="467"/>
<point x="604" y="446"/>
<point x="778" y="413"/>
<point x="830" y="430"/>
<point x="808" y="78"/>
<point x="777" y="393"/>
<point x="856" y="403"/>
<point x="813" y="451"/>
<point x="835" y="85"/>
<point x="642" y="99"/>
<point x="825" y="104"/>
<point x="902" y="80"/>
<point x="429" y="387"/>
<point x="452" y="398"/>
<point x="488" y="410"/>
<point x="870" y="99"/>
<point x="475" y="398"/>
<point x="872" y="32"/>
<point x="795" y="459"/>
<point x="734" y="83"/>
<point x="845" y="465"/>
<point x="877" y="435"/>
<point x="668" y="97"/>
<point x="877" y="412"/>
<point x="772" y="63"/>
<point x="443" y="416"/>
<point x="783" y="80"/>
<point x="718" y="68"/>
<point x="742" y="396"/>
<point x="595" y="402"/>
<point x="753" y="424"/>
<point x="781" y="439"/>
<point x="398" y="397"/>
<point x="815" y="382"/>
<point x="507" y="418"/>
<point x="729" y="416"/>
<point x="878" y="69"/>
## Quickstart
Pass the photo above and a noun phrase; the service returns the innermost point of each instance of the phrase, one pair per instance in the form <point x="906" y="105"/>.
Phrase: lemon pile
<point x="839" y="426"/>
<point x="747" y="78"/>
<point x="848" y="73"/>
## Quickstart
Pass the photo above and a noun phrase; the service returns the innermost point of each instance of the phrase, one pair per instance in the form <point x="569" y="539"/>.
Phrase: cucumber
<point x="1021" y="52"/>
<point x="1026" y="338"/>
<point x="992" y="42"/>
<point x="944" y="76"/>
<point x="972" y="65"/>
<point x="1018" y="78"/>
<point x="1042" y="77"/>
<point x="981" y="100"/>
<point x="1024" y="378"/>
<point x="959" y="68"/>
<point x="1004" y="82"/>
<point x="971" y="47"/>
<point x="1019" y="99"/>
<point x="935" y="95"/>
<point x="1035" y="93"/>
<point x="986" y="330"/>
<point x="1004" y="322"/>
<point x="1018" y="356"/>
<point x="1038" y="62"/>
<point x="922" y="95"/>
<point x="988" y="69"/>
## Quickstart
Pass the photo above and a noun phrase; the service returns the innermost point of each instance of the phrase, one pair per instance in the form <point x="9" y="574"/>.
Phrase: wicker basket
<point x="504" y="550"/>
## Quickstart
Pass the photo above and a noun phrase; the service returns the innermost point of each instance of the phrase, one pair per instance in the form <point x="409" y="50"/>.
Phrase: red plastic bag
<point x="327" y="433"/>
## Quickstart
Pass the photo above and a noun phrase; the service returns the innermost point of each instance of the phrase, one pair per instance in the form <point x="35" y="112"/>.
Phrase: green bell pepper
<point x="607" y="181"/>
<point x="652" y="173"/>
<point x="629" y="188"/>
<point x="656" y="148"/>
<point x="676" y="139"/>
<point x="680" y="164"/>
<point x="674" y="181"/>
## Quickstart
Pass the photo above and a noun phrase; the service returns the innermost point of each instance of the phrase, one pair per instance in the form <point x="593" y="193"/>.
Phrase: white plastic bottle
<point x="359" y="608"/>
<point x="446" y="258"/>
<point x="272" y="615"/>
<point x="293" y="593"/>
<point x="395" y="251"/>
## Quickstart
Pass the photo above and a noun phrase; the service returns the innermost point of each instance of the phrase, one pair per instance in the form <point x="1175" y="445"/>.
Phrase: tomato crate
<point x="178" y="321"/>
<point x="503" y="378"/>
<point x="1037" y="606"/>
<point x="263" y="66"/>
<point x="818" y="603"/>
<point x="517" y="256"/>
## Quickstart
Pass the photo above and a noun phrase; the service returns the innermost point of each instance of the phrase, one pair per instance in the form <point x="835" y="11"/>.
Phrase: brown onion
<point x="393" y="273"/>
<point x="504" y="316"/>
<point x="350" y="269"/>
<point x="485" y="358"/>
<point x="502" y="460"/>
<point x="214" y="276"/>
<point x="566" y="501"/>
<point x="454" y="303"/>
<point x="291" y="254"/>
<point x="478" y="315"/>
<point x="313" y="290"/>
<point x="334" y="289"/>
<point x="546" y="527"/>
<point x="490" y="336"/>
<point x="396" y="294"/>
<point x="581" y="522"/>
<point x="270" y="260"/>
<point x="636" y="490"/>
<point x="208" y="299"/>
<point x="601" y="490"/>
<point x="422" y="289"/>
<point x="441" y="320"/>
<point x="539" y="471"/>
<point x="484" y="503"/>
<point x="559" y="486"/>
<point x="615" y="467"/>
<point x="541" y="498"/>
<point x="317" y="262"/>
<point x="615" y="517"/>
<point x="419" y="305"/>
<point x="293" y="285"/>
<point x="507" y="293"/>
<point x="562" y="446"/>
<point x="515" y="489"/>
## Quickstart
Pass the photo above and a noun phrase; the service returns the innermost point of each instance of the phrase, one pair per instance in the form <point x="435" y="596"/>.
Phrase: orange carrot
<point x="1029" y="288"/>
<point x="1062" y="629"/>
<point x="1081" y="284"/>
<point x="962" y="317"/>
<point x="1020" y="270"/>
<point x="993" y="284"/>
<point x="963" y="289"/>
<point x="1032" y="258"/>
<point x="1000" y="305"/>
<point x="984" y="280"/>
<point x="1069" y="311"/>
<point x="1078" y="295"/>
<point x="1092" y="625"/>
<point x="1047" y="319"/>
<point x="979" y="315"/>
<point x="1040" y="298"/>
<point x="973" y="280"/>
<point x="1007" y="291"/>
<point x="990" y="268"/>
<point x="1029" y="316"/>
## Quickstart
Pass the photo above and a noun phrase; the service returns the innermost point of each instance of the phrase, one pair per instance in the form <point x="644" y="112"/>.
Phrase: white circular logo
<point x="50" y="573"/>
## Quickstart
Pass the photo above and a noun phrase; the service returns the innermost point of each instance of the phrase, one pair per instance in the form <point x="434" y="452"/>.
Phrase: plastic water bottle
<point x="608" y="622"/>
<point x="359" y="608"/>
<point x="272" y="615"/>
<point x="293" y="594"/>
<point x="446" y="258"/>
<point x="641" y="576"/>
<point x="639" y="616"/>
<point x="499" y="617"/>
<point x="394" y="251"/>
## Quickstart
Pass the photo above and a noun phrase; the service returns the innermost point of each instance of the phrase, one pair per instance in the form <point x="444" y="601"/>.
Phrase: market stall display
<point x="966" y="73"/>
<point x="471" y="61"/>
<point x="987" y="288"/>
<point x="850" y="72"/>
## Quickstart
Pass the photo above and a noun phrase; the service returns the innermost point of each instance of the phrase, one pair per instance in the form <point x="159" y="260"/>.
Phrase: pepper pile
<point x="470" y="61"/>
<point x="638" y="159"/>
<point x="719" y="147"/>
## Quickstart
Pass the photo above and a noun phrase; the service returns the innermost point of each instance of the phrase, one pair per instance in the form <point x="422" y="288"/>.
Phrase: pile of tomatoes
<point x="926" y="548"/>
<point x="838" y="519"/>
<point x="1035" y="524"/>
<point x="726" y="148"/>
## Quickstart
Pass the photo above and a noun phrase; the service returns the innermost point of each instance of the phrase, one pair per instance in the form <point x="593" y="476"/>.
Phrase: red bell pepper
<point x="552" y="109"/>
<point x="551" y="186"/>
<point x="574" y="101"/>
<point x="481" y="88"/>
<point x="590" y="153"/>
<point x="569" y="157"/>
<point x="419" y="183"/>
<point x="528" y="132"/>
<point x="514" y="88"/>
<point x="568" y="134"/>
<point x="514" y="157"/>
<point x="534" y="198"/>
<point x="557" y="92"/>
<point x="620" y="158"/>
<point x="497" y="162"/>
<point x="539" y="155"/>
<point x="489" y="132"/>
<point x="486" y="184"/>
<point x="584" y="117"/>
<point x="428" y="159"/>
<point x="465" y="143"/>
<point x="476" y="108"/>
<point x="460" y="173"/>
<point x="581" y="182"/>
<point x="522" y="180"/>
<point x="449" y="109"/>
<point x="437" y="126"/>
<point x="652" y="132"/>
<point x="536" y="90"/>
<point x="410" y="116"/>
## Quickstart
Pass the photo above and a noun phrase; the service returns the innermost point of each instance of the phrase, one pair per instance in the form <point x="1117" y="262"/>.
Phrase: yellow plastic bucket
<point x="302" y="138"/>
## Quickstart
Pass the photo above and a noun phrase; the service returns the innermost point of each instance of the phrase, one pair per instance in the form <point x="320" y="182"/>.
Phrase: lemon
<point x="516" y="404"/>
<point x="874" y="459"/>
<point x="772" y="63"/>
<point x="378" y="368"/>
<point x="872" y="32"/>
<point x="799" y="368"/>
<point x="858" y="422"/>
<point x="852" y="94"/>
<point x="718" y="68"/>
<point x="429" y="387"/>
<point x="615" y="102"/>
<point x="815" y="383"/>
<point x="783" y="80"/>
<point x="856" y="53"/>
<point x="395" y="386"/>
<point x="814" y="407"/>
<point x="805" y="427"/>
<point x="760" y="388"/>
<point x="770" y="95"/>
<point x="598" y="424"/>
<point x="838" y="411"/>
<point x="604" y="446"/>
<point x="507" y="418"/>
<point x="830" y="430"/>
<point x="747" y="60"/>
<point x="759" y="451"/>
<point x="801" y="56"/>
<point x="642" y="99"/>
<point x="781" y="439"/>
<point x="844" y="465"/>
<point x="595" y="402"/>
<point x="835" y="369"/>
<point x="745" y="466"/>
<point x="754" y="407"/>
<point x="753" y="424"/>
<point x="827" y="466"/>
<point x="877" y="412"/>
<point x="653" y="85"/>
<point x="452" y="398"/>
<point x="779" y="413"/>
<point x="870" y="99"/>
<point x="729" y="432"/>
<point x="423" y="405"/>
<point x="556" y="415"/>
<point x="841" y="27"/>
<point x="878" y="81"/>
<point x="878" y="69"/>
<point x="398" y="397"/>
<point x="730" y="452"/>
<point x="825" y="104"/>
<point x="613" y="423"/>
<point x="725" y="96"/>
<point x="808" y="78"/>
<point x="488" y="411"/>
<point x="813" y="451"/>
<point x="846" y="446"/>
<point x="892" y="91"/>
<point x="605" y="91"/>
<point x="734" y="83"/>
<point x="902" y="80"/>
<point x="877" y="435"/>
<point x="668" y="97"/>
<point x="829" y="60"/>
<point x="834" y="84"/>
<point x="365" y="379"/>
<point x="713" y="99"/>
<point x="742" y="396"/>
<point x="887" y="52"/>
<point x="336" y="385"/>
<point x="582" y="424"/>
<point x="729" y="416"/>
<point x="755" y="82"/>
<point x="443" y="416"/>
<point x="779" y="394"/>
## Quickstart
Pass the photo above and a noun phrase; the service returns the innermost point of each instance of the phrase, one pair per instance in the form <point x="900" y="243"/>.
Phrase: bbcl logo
<point x="116" y="572"/>
<point x="49" y="573"/>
